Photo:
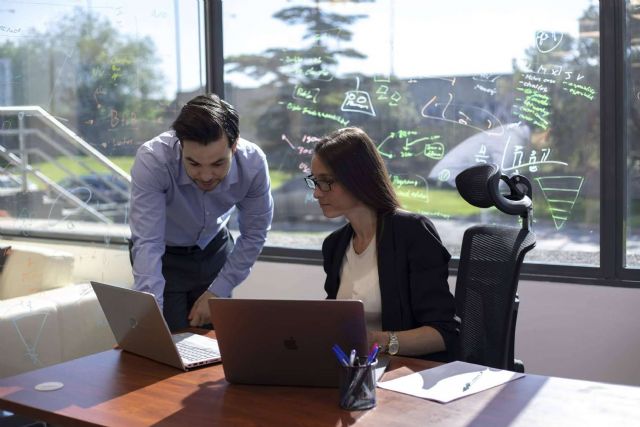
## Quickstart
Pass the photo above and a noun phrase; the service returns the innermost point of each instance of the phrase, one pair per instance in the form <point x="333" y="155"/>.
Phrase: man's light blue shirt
<point x="168" y="209"/>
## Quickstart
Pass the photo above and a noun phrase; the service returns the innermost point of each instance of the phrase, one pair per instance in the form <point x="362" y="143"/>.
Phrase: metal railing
<point x="43" y="138"/>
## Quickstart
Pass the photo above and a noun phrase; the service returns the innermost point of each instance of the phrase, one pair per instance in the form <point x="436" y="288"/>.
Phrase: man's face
<point x="207" y="165"/>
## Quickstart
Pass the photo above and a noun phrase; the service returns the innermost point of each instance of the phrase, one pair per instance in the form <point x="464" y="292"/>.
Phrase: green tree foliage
<point x="281" y="69"/>
<point x="574" y="132"/>
<point x="321" y="27"/>
<point x="102" y="83"/>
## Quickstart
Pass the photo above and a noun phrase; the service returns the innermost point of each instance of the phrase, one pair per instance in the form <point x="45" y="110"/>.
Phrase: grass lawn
<point x="85" y="167"/>
<point x="278" y="178"/>
<point x="57" y="174"/>
<point x="445" y="202"/>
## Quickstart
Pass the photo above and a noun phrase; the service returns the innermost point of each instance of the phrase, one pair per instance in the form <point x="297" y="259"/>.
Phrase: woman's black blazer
<point x="413" y="271"/>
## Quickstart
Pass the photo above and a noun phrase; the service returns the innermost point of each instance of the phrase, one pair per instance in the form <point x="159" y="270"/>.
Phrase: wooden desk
<point x="116" y="388"/>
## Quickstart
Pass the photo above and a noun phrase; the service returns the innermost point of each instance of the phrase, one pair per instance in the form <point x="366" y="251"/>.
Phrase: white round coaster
<point x="49" y="386"/>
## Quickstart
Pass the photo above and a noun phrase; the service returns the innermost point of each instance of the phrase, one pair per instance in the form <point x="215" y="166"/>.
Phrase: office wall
<point x="579" y="331"/>
<point x="566" y="330"/>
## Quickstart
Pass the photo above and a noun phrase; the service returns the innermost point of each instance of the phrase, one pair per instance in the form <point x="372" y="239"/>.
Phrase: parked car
<point x="296" y="208"/>
<point x="94" y="189"/>
<point x="12" y="184"/>
<point x="294" y="202"/>
<point x="105" y="193"/>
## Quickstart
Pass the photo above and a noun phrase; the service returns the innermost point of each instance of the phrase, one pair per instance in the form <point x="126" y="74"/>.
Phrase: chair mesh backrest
<point x="486" y="286"/>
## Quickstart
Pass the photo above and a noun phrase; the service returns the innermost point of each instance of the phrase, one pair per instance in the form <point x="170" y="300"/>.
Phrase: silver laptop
<point x="139" y="327"/>
<point x="286" y="342"/>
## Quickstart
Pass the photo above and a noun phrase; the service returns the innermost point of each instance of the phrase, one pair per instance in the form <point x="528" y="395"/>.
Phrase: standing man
<point x="185" y="185"/>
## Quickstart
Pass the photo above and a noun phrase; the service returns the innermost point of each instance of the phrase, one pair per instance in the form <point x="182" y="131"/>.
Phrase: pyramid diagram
<point x="561" y="193"/>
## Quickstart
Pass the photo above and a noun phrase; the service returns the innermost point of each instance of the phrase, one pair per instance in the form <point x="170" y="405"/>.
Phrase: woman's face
<point x="336" y="202"/>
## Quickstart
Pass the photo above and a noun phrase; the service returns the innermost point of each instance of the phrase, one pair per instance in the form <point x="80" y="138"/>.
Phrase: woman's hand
<point x="380" y="337"/>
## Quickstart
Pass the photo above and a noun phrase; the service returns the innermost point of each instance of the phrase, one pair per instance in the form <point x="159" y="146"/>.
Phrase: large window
<point x="440" y="87"/>
<point x="81" y="87"/>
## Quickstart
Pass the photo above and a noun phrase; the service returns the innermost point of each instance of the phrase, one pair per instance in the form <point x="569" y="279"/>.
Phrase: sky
<point x="153" y="18"/>
<point x="430" y="37"/>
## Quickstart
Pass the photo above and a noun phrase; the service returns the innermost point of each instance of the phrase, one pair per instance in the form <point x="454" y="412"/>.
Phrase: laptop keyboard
<point x="193" y="353"/>
<point x="194" y="348"/>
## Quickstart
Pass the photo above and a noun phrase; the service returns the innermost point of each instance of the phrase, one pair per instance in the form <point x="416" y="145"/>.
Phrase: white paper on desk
<point x="446" y="382"/>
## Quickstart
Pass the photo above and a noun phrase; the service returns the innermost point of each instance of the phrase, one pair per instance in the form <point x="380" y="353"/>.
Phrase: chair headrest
<point x="480" y="186"/>
<point x="472" y="184"/>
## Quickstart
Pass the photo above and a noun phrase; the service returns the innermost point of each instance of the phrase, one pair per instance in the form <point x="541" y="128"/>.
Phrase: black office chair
<point x="490" y="260"/>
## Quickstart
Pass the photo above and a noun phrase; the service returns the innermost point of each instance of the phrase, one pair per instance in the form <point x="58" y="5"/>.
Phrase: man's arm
<point x="255" y="212"/>
<point x="147" y="221"/>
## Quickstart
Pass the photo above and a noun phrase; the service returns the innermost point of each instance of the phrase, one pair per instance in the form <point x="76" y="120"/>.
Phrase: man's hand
<point x="200" y="314"/>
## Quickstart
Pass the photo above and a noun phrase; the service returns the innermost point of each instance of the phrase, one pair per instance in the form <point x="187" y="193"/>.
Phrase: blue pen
<point x="342" y="353"/>
<point x="373" y="353"/>
<point x="342" y="357"/>
<point x="371" y="350"/>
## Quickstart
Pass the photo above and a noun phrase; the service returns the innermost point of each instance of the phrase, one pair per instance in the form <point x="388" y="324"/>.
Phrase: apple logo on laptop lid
<point x="290" y="343"/>
<point x="133" y="322"/>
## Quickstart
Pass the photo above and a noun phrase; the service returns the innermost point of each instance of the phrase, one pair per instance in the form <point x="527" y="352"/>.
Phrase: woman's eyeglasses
<point x="323" y="185"/>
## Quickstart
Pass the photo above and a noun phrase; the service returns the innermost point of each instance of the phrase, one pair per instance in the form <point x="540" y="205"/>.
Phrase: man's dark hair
<point x="355" y="162"/>
<point x="205" y="118"/>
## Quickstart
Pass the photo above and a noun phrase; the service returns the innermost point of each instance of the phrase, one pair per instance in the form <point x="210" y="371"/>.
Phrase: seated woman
<point x="390" y="259"/>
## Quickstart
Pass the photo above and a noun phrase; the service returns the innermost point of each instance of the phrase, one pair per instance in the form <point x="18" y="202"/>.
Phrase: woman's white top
<point x="359" y="280"/>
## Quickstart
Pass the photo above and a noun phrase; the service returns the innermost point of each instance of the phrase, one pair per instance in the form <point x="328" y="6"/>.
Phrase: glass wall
<point x="82" y="85"/>
<point x="439" y="88"/>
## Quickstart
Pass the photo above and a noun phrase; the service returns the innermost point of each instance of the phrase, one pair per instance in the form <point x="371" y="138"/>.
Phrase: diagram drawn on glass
<point x="561" y="193"/>
<point x="546" y="41"/>
<point x="462" y="115"/>
<point x="408" y="144"/>
<point x="358" y="101"/>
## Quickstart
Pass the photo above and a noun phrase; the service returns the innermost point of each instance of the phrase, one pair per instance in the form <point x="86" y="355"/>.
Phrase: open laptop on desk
<point x="139" y="327"/>
<point x="286" y="342"/>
